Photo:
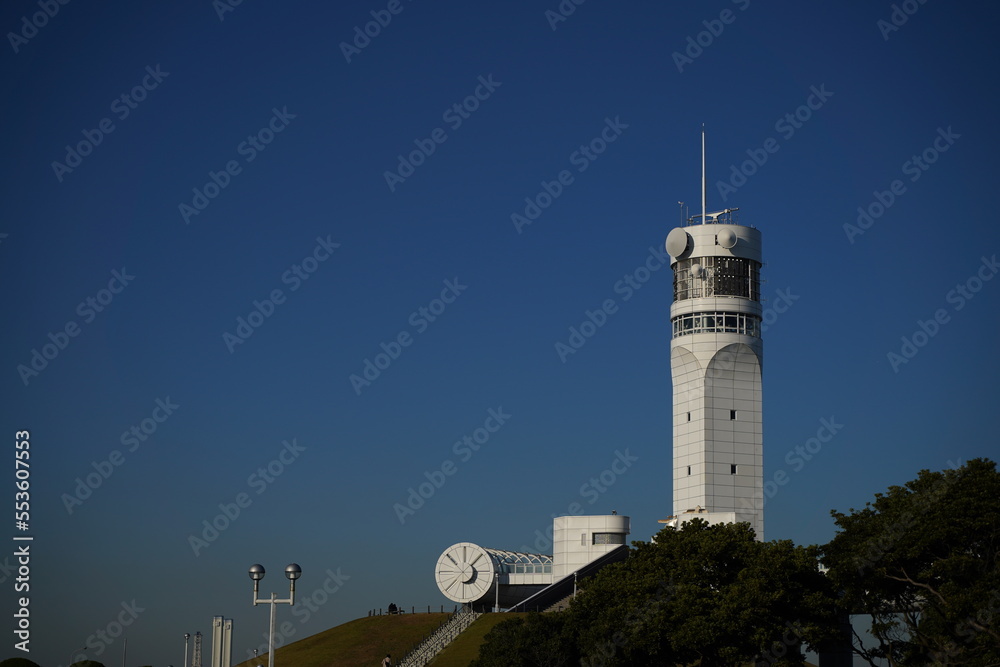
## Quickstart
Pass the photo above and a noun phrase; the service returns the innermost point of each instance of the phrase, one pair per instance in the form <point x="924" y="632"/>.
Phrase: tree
<point x="921" y="559"/>
<point x="535" y="640"/>
<point x="705" y="595"/>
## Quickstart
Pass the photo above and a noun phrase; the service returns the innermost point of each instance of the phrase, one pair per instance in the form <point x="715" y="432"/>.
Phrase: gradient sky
<point x="213" y="82"/>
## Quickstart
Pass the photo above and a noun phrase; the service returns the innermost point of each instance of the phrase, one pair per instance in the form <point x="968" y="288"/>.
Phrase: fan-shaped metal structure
<point x="479" y="576"/>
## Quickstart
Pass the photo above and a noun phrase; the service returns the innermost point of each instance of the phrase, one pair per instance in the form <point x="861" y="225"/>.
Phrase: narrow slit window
<point x="689" y="470"/>
<point x="732" y="469"/>
<point x="732" y="414"/>
<point x="689" y="416"/>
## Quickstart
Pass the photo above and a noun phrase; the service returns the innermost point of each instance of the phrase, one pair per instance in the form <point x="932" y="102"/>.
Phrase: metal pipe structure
<point x="196" y="655"/>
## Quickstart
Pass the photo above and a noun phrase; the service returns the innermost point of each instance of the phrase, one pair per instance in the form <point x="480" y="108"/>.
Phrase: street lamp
<point x="293" y="572"/>
<point x="187" y="636"/>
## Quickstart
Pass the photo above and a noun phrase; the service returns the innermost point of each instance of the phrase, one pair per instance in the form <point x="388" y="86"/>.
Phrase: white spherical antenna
<point x="677" y="242"/>
<point x="727" y="238"/>
<point x="697" y="270"/>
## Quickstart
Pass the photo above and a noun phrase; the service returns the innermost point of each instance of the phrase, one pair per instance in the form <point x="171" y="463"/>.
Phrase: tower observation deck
<point x="716" y="357"/>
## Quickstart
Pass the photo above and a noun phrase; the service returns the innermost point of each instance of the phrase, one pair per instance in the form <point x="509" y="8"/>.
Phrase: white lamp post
<point x="293" y="572"/>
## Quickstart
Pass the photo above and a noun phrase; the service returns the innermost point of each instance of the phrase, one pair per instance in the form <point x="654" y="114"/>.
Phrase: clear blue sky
<point x="267" y="92"/>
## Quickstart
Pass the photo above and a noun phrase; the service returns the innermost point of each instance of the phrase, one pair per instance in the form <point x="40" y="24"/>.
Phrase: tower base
<point x="711" y="518"/>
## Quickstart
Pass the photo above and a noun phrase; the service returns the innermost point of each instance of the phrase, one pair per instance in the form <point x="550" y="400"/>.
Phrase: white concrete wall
<point x="573" y="540"/>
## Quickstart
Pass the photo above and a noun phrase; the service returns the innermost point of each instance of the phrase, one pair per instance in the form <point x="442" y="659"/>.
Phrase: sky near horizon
<point x="277" y="290"/>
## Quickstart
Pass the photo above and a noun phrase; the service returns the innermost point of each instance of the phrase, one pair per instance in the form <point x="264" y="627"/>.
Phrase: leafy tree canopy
<point x="711" y="595"/>
<point x="708" y="595"/>
<point x="922" y="560"/>
<point x="537" y="640"/>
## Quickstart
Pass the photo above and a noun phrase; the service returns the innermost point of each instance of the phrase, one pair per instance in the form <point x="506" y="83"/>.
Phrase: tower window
<point x="716" y="322"/>
<point x="732" y="469"/>
<point x="732" y="414"/>
<point x="720" y="276"/>
<point x="689" y="470"/>
<point x="689" y="416"/>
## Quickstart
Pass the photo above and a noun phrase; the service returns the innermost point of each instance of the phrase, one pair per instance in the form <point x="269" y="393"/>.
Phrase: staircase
<point x="428" y="649"/>
<point x="562" y="605"/>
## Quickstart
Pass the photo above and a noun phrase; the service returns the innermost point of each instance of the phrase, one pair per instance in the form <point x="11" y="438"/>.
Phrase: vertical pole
<point x="270" y="641"/>
<point x="703" y="186"/>
<point x="185" y="663"/>
<point x="124" y="651"/>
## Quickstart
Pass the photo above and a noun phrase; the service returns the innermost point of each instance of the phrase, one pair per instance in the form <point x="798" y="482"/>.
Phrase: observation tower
<point x="716" y="357"/>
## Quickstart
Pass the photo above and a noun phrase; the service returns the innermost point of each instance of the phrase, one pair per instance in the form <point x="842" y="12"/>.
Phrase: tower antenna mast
<point x="703" y="182"/>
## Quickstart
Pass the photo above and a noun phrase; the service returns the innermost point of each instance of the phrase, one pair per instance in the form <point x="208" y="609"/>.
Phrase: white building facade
<point x="493" y="578"/>
<point x="579" y="540"/>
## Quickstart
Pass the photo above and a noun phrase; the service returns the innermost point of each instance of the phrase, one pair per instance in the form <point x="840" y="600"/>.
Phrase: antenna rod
<point x="703" y="173"/>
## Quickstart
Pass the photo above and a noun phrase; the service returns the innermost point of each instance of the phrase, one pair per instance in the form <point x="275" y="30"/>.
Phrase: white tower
<point x="222" y="641"/>
<point x="716" y="355"/>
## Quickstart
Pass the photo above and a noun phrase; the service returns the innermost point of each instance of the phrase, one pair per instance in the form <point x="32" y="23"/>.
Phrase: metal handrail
<point x="436" y="641"/>
<point x="724" y="217"/>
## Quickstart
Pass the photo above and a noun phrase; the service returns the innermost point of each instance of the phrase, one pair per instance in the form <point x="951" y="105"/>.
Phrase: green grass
<point x="359" y="643"/>
<point x="465" y="648"/>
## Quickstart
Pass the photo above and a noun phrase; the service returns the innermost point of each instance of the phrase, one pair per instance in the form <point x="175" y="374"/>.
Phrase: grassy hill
<point x="359" y="643"/>
<point x="464" y="650"/>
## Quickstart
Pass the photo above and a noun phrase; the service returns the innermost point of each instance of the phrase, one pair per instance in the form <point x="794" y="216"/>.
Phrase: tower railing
<point x="724" y="217"/>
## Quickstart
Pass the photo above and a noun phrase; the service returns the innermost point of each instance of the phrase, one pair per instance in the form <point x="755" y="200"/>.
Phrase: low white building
<point x="484" y="578"/>
<point x="578" y="540"/>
